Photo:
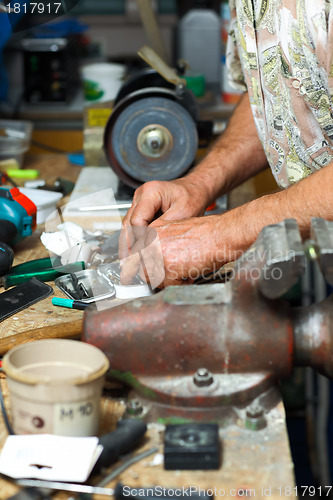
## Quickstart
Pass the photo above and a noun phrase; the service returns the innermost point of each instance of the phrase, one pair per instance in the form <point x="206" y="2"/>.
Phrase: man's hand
<point x="178" y="199"/>
<point x="179" y="252"/>
<point x="175" y="253"/>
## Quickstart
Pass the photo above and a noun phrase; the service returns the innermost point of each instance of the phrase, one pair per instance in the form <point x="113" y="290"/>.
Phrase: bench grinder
<point x="153" y="132"/>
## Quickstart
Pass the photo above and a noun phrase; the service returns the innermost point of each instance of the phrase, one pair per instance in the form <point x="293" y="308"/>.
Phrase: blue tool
<point x="17" y="215"/>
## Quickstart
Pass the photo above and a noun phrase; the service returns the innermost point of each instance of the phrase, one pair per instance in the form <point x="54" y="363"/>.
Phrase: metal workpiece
<point x="210" y="351"/>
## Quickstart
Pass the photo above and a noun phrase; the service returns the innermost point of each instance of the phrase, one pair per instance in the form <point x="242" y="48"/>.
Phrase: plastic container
<point x="55" y="387"/>
<point x="196" y="83"/>
<point x="199" y="40"/>
<point x="229" y="94"/>
<point x="45" y="201"/>
<point x="102" y="81"/>
<point x="15" y="137"/>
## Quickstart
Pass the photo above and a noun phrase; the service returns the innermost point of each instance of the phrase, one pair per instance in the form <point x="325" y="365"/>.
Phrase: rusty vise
<point x="206" y="352"/>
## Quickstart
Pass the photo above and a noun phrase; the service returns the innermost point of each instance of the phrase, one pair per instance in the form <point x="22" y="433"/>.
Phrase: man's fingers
<point x="147" y="202"/>
<point x="152" y="262"/>
<point x="127" y="240"/>
<point x="145" y="257"/>
<point x="130" y="267"/>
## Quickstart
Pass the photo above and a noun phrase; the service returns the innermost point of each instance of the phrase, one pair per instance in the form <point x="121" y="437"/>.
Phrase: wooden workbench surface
<point x="42" y="313"/>
<point x="244" y="465"/>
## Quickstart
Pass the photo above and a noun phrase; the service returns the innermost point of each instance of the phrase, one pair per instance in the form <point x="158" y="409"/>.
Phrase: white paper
<point x="49" y="457"/>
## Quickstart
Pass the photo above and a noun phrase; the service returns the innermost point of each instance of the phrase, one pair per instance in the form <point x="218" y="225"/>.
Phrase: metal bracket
<point x="276" y="260"/>
<point x="322" y="234"/>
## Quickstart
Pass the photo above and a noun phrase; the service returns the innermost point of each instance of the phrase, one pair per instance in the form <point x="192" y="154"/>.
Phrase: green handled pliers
<point x="43" y="269"/>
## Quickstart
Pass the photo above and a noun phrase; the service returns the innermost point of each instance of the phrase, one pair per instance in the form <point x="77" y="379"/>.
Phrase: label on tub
<point x="67" y="418"/>
<point x="82" y="416"/>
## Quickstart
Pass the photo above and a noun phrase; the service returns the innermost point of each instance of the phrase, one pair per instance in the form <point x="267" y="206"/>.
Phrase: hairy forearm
<point x="311" y="197"/>
<point x="189" y="247"/>
<point x="235" y="157"/>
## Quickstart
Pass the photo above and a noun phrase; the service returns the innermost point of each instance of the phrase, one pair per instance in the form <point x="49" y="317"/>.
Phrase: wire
<point x="4" y="413"/>
<point x="126" y="464"/>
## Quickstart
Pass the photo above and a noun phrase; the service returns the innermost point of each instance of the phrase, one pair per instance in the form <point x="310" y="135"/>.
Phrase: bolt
<point x="134" y="407"/>
<point x="203" y="378"/>
<point x="180" y="89"/>
<point x="254" y="411"/>
<point x="255" y="418"/>
<point x="154" y="141"/>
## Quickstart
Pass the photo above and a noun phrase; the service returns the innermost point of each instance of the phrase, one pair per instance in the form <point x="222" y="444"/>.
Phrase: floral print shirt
<point x="281" y="52"/>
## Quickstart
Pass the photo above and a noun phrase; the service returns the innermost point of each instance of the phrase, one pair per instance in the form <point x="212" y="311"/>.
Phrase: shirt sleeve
<point x="233" y="63"/>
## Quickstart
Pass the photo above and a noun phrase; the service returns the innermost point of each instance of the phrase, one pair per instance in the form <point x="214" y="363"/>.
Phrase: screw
<point x="203" y="377"/>
<point x="134" y="407"/>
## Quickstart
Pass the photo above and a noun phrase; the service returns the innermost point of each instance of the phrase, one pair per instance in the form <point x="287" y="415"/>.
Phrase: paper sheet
<point x="49" y="457"/>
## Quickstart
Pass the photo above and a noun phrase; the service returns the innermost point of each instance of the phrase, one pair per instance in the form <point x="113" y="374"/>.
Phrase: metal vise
<point x="207" y="352"/>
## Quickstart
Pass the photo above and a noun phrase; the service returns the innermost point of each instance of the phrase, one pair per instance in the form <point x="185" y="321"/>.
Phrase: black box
<point x="193" y="446"/>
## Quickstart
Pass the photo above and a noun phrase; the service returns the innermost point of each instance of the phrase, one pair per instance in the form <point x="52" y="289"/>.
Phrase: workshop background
<point x="38" y="86"/>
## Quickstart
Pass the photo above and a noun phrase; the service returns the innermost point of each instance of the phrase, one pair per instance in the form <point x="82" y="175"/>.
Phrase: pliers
<point x="46" y="269"/>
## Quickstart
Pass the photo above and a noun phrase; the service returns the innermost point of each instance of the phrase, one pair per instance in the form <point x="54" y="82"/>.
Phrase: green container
<point x="197" y="84"/>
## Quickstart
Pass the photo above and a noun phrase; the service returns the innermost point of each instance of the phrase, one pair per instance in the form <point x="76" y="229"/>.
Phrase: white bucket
<point x="102" y="81"/>
<point x="55" y="387"/>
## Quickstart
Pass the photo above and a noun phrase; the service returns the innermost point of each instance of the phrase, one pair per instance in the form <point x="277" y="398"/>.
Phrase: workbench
<point x="252" y="463"/>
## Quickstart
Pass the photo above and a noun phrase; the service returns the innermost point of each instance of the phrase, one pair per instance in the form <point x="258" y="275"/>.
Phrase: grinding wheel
<point x="150" y="136"/>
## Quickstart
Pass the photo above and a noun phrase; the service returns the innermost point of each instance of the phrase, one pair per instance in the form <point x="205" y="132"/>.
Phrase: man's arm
<point x="236" y="156"/>
<point x="195" y="246"/>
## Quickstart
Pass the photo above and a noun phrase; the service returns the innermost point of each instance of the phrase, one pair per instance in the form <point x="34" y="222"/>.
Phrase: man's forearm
<point x="235" y="157"/>
<point x="311" y="197"/>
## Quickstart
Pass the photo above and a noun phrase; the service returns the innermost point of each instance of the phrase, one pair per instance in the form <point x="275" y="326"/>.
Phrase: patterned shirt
<point x="281" y="52"/>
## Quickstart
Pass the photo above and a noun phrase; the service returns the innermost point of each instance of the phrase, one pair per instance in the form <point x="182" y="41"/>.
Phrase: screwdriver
<point x="46" y="269"/>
